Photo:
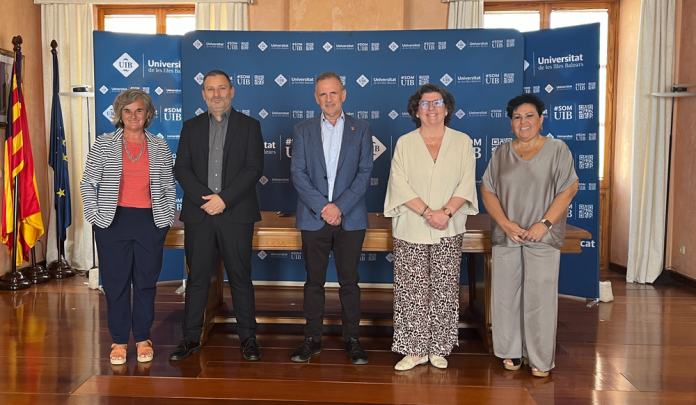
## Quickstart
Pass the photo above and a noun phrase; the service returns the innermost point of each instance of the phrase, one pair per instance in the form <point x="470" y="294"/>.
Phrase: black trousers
<point x="316" y="247"/>
<point x="203" y="243"/>
<point x="130" y="250"/>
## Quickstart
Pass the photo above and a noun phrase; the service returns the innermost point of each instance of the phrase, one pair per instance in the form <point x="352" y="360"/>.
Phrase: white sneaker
<point x="438" y="361"/>
<point x="408" y="363"/>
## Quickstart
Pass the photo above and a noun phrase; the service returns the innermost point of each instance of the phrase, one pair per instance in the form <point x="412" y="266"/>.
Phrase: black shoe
<point x="185" y="349"/>
<point x="250" y="349"/>
<point x="307" y="349"/>
<point x="356" y="353"/>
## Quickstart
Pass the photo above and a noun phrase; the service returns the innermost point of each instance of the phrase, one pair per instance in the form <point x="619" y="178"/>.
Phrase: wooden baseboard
<point x="617" y="268"/>
<point x="680" y="278"/>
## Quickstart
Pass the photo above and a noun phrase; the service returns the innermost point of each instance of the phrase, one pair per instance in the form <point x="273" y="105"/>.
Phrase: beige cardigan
<point x="414" y="174"/>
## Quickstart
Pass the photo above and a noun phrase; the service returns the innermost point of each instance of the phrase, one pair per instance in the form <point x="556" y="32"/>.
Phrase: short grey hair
<point x="329" y="75"/>
<point x="129" y="97"/>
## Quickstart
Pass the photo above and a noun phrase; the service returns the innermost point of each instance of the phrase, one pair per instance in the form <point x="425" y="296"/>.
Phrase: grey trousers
<point x="524" y="302"/>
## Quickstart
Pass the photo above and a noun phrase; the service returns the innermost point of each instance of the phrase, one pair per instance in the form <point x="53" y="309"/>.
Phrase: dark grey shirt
<point x="216" y="143"/>
<point x="526" y="188"/>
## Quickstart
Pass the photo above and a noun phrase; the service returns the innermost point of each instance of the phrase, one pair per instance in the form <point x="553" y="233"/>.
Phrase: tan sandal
<point x="537" y="373"/>
<point x="515" y="363"/>
<point x="145" y="353"/>
<point x="118" y="354"/>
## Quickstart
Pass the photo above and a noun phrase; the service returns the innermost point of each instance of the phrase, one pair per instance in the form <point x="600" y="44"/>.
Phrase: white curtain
<point x="71" y="25"/>
<point x="222" y="16"/>
<point x="465" y="13"/>
<point x="652" y="120"/>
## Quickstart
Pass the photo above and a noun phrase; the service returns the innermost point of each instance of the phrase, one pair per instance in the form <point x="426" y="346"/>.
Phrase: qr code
<point x="585" y="111"/>
<point x="374" y="46"/>
<point x="309" y="113"/>
<point x="423" y="79"/>
<point x="592" y="186"/>
<point x="585" y="161"/>
<point x="374" y="181"/>
<point x="374" y="114"/>
<point x="510" y="43"/>
<point x="536" y="89"/>
<point x="245" y="46"/>
<point x="441" y="45"/>
<point x="585" y="211"/>
<point x="258" y="80"/>
<point x="146" y="90"/>
<point x="591" y="85"/>
<point x="508" y="78"/>
<point x="592" y="136"/>
<point x="309" y="46"/>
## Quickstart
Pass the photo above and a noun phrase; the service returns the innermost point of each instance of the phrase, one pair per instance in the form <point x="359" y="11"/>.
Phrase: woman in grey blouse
<point x="526" y="189"/>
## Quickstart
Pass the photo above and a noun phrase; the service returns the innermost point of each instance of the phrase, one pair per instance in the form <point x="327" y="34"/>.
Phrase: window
<point x="530" y="16"/>
<point x="523" y="21"/>
<point x="160" y="19"/>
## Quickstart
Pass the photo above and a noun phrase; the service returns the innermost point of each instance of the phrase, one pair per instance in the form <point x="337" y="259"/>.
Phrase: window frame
<point x="545" y="7"/>
<point x="160" y="12"/>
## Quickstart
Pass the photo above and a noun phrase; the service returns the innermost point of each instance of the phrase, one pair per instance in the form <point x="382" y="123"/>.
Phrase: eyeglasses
<point x="435" y="103"/>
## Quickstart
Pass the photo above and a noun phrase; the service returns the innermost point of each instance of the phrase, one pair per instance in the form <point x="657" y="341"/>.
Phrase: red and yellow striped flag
<point x="19" y="161"/>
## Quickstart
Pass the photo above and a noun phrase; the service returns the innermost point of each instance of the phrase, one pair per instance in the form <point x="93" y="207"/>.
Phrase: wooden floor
<point x="640" y="349"/>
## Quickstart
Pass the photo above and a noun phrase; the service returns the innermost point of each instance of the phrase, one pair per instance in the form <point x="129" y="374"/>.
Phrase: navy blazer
<point x="242" y="167"/>
<point x="308" y="173"/>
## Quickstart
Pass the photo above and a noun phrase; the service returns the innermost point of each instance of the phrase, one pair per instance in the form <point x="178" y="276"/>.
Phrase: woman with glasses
<point x="431" y="191"/>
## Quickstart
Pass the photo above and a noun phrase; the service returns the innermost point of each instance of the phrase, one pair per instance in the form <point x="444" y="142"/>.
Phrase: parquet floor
<point x="54" y="343"/>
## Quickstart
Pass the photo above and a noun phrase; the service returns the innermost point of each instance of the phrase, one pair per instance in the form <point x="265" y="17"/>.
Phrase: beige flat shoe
<point x="438" y="361"/>
<point x="408" y="363"/>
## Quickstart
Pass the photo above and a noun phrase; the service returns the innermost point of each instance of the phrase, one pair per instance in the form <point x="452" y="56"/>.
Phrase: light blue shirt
<point x="331" y="138"/>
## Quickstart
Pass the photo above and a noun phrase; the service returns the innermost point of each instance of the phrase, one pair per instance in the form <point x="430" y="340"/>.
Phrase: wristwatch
<point x="447" y="212"/>
<point x="547" y="223"/>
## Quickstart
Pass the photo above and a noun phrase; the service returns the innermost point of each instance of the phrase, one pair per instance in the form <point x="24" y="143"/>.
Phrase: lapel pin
<point x="352" y="128"/>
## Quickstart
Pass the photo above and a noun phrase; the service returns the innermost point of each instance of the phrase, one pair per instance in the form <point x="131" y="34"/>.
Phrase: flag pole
<point x="59" y="268"/>
<point x="36" y="273"/>
<point x="15" y="280"/>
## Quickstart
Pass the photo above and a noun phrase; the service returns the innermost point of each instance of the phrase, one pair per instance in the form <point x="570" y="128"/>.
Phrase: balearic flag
<point x="58" y="160"/>
<point x="19" y="161"/>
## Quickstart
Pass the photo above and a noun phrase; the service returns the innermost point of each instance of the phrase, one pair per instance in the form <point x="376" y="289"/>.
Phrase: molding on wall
<point x="680" y="278"/>
<point x="617" y="268"/>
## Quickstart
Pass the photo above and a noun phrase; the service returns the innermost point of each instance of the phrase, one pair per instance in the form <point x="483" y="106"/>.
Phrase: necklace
<point x="128" y="152"/>
<point x="530" y="150"/>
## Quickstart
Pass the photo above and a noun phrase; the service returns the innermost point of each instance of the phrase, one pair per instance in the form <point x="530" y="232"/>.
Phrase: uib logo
<point x="126" y="65"/>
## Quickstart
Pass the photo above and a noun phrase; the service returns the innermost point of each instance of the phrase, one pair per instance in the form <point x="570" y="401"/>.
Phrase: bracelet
<point x="423" y="210"/>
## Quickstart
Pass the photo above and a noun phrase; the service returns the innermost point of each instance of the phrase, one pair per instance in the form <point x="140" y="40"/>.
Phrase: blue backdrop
<point x="273" y="74"/>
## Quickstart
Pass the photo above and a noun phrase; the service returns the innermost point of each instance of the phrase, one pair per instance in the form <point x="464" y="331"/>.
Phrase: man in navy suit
<point x="331" y="166"/>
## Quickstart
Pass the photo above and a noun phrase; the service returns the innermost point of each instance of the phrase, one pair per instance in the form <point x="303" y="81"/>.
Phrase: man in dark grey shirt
<point x="219" y="162"/>
<point x="218" y="131"/>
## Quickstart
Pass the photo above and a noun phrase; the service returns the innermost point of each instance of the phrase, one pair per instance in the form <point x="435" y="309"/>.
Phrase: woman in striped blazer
<point x="128" y="192"/>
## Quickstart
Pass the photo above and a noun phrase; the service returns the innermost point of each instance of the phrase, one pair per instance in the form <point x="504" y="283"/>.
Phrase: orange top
<point x="134" y="190"/>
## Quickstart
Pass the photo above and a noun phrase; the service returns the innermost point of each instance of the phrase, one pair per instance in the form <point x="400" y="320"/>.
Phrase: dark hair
<point x="128" y="97"/>
<point x="217" y="73"/>
<point x="414" y="102"/>
<point x="525" y="98"/>
<point x="329" y="75"/>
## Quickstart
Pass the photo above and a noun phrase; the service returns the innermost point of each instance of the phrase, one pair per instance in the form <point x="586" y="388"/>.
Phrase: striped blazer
<point x="102" y="177"/>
